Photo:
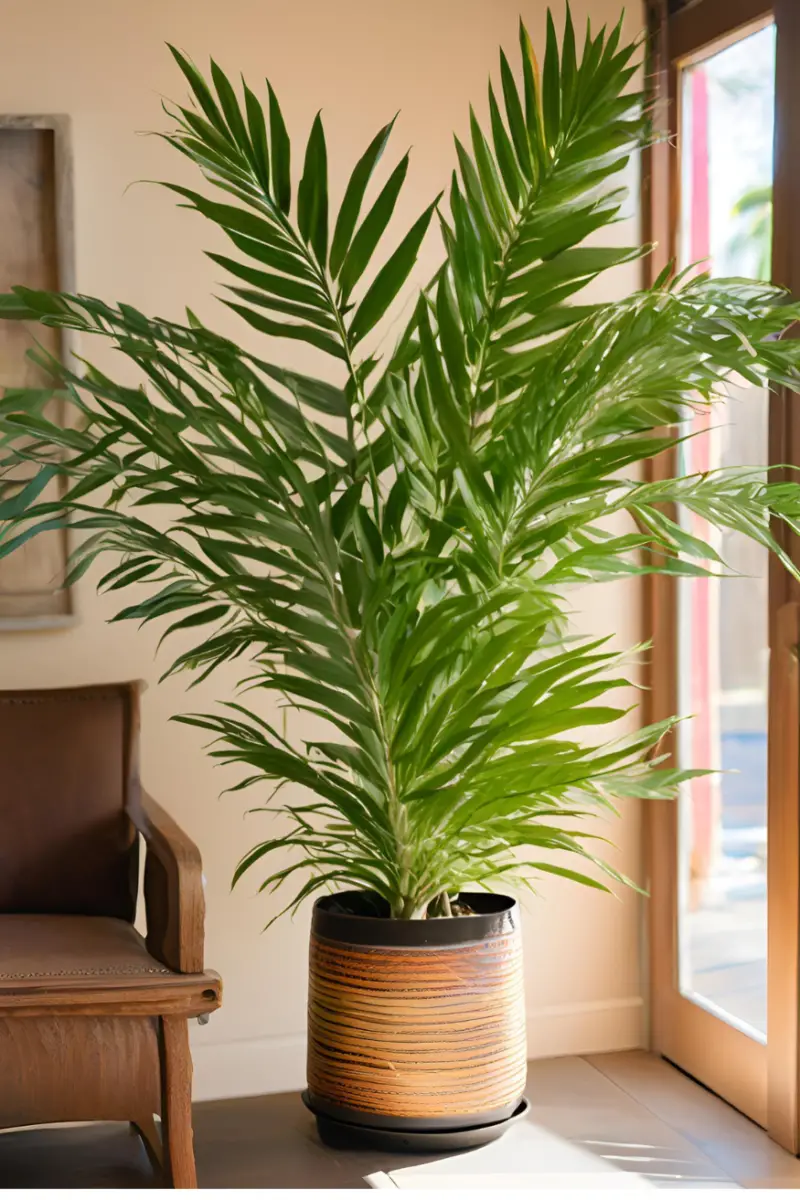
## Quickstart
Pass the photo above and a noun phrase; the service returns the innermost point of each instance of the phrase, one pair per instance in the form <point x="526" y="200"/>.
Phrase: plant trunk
<point x="407" y="909"/>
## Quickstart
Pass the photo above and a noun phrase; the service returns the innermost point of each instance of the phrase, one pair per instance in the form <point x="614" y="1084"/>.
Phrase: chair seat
<point x="46" y="961"/>
<point x="43" y="948"/>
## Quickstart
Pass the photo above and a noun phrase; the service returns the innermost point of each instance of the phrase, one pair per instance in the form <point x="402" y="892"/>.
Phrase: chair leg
<point x="176" y="1102"/>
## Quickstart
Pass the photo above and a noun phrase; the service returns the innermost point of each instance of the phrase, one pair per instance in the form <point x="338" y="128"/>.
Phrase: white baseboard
<point x="252" y="1067"/>
<point x="260" y="1066"/>
<point x="591" y="1027"/>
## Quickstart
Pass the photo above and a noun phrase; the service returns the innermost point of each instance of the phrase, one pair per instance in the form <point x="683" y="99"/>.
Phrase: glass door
<point x="723" y="623"/>
<point x="724" y="913"/>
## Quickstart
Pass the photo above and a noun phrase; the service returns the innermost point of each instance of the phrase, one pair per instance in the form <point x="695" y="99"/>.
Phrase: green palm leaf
<point x="388" y="550"/>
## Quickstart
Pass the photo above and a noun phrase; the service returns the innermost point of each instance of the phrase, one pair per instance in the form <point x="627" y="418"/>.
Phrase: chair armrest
<point x="173" y="888"/>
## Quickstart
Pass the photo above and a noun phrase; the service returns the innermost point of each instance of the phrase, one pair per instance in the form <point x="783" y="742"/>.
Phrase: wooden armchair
<point x="93" y="1017"/>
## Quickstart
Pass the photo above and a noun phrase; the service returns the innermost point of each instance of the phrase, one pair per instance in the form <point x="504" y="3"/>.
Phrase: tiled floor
<point x="634" y="1113"/>
<point x="644" y="1116"/>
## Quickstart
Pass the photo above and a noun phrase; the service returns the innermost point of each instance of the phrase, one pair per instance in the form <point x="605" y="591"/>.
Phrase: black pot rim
<point x="495" y="915"/>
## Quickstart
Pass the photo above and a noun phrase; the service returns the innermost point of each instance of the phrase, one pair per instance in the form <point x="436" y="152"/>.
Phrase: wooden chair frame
<point x="116" y="1049"/>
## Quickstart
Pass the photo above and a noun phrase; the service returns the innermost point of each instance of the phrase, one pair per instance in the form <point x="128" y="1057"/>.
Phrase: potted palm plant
<point x="388" y="545"/>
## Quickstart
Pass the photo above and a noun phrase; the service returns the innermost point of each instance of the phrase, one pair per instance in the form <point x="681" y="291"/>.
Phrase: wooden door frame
<point x="761" y="1081"/>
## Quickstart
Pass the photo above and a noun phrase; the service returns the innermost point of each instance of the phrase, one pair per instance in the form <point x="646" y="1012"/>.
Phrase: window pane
<point x="727" y="105"/>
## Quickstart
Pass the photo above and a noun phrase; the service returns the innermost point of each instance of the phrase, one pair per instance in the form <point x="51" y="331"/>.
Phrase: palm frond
<point x="390" y="553"/>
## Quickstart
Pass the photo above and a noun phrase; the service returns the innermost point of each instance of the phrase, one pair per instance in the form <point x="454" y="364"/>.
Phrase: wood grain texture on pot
<point x="427" y="1032"/>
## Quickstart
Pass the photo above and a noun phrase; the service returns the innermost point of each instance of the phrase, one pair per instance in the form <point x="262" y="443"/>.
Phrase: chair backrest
<point x="68" y="764"/>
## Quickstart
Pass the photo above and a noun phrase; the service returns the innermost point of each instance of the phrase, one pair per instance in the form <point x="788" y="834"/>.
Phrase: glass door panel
<point x="726" y="136"/>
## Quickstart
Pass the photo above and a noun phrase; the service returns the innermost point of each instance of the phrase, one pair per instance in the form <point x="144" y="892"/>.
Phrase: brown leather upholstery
<point x="66" y="843"/>
<point x="61" y="949"/>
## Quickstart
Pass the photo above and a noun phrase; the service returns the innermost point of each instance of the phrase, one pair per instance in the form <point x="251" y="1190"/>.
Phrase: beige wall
<point x="104" y="63"/>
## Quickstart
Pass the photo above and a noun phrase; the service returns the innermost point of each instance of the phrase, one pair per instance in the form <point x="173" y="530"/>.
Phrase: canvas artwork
<point x="32" y="214"/>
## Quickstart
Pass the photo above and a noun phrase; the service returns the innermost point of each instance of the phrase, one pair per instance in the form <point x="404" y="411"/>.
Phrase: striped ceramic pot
<point x="416" y="1024"/>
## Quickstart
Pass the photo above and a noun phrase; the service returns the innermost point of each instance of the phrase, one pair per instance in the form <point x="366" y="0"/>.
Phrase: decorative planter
<point x="415" y="1025"/>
